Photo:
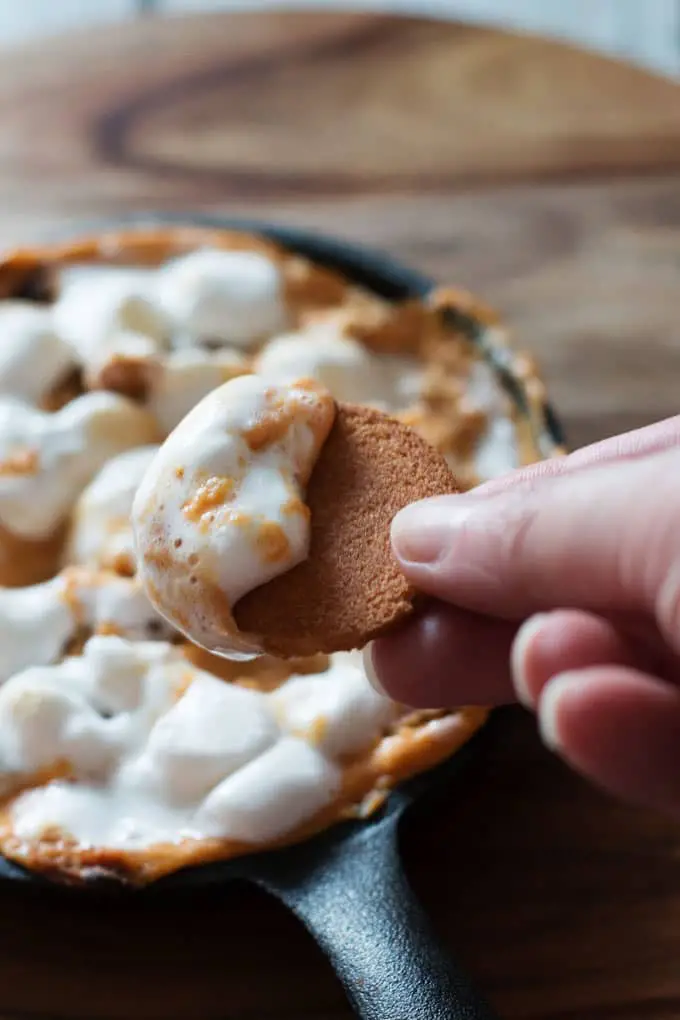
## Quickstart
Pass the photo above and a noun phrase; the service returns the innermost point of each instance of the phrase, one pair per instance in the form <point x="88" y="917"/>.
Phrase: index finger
<point x="656" y="438"/>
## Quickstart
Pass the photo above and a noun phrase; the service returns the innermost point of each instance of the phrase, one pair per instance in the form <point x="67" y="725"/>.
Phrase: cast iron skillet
<point x="347" y="884"/>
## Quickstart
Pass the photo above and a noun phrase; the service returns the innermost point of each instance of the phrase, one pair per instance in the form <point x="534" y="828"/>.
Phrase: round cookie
<point x="349" y="590"/>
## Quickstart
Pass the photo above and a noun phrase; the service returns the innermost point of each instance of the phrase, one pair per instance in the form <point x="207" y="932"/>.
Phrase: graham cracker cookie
<point x="349" y="590"/>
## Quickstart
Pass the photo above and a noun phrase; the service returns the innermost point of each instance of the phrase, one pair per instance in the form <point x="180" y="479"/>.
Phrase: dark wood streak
<point x="377" y="39"/>
<point x="252" y="185"/>
<point x="111" y="130"/>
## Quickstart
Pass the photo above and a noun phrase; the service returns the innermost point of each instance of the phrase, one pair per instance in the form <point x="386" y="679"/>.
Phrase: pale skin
<point x="559" y="586"/>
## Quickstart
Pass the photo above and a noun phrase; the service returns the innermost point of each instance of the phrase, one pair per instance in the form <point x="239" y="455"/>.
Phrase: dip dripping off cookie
<point x="221" y="511"/>
<point x="262" y="525"/>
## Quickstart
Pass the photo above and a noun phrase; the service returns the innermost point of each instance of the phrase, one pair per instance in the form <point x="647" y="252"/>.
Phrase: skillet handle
<point x="356" y="901"/>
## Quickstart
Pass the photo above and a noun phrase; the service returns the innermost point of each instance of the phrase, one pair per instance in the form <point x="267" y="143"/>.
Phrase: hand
<point x="558" y="585"/>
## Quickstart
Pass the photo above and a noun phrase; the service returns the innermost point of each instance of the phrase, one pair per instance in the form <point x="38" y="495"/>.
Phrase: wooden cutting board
<point x="549" y="180"/>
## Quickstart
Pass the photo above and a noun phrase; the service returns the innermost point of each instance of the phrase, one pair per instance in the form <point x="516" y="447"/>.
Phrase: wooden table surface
<point x="547" y="179"/>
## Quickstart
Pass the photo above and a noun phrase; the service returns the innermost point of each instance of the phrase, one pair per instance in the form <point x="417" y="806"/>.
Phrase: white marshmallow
<point x="148" y="768"/>
<point x="118" y="604"/>
<point x="338" y="711"/>
<point x="94" y="308"/>
<point x="497" y="451"/>
<point x="222" y="502"/>
<point x="35" y="626"/>
<point x="52" y="715"/>
<point x="37" y="622"/>
<point x="134" y="677"/>
<point x="117" y="672"/>
<point x="33" y="357"/>
<point x="122" y="345"/>
<point x="349" y="370"/>
<point x="33" y="716"/>
<point x="213" y="730"/>
<point x="46" y="459"/>
<point x="184" y="377"/>
<point x="101" y="533"/>
<point x="80" y="274"/>
<point x="98" y="816"/>
<point x="235" y="297"/>
<point x="44" y="722"/>
<point x="484" y="391"/>
<point x="272" y="795"/>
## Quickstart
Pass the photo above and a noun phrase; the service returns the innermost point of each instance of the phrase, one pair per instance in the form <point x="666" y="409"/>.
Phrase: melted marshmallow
<point x="101" y="532"/>
<point x="46" y="459"/>
<point x="185" y="377"/>
<point x="272" y="795"/>
<point x="161" y="751"/>
<point x="112" y="695"/>
<point x="497" y="451"/>
<point x="95" y="311"/>
<point x="339" y="712"/>
<point x="235" y="297"/>
<point x="33" y="357"/>
<point x="38" y="622"/>
<point x="344" y="366"/>
<point x="123" y="346"/>
<point x="212" y="731"/>
<point x="221" y="506"/>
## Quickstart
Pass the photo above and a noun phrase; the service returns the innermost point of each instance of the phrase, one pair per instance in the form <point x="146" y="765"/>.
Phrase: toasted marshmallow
<point x="221" y="509"/>
<point x="184" y="377"/>
<point x="169" y="385"/>
<point x="46" y="459"/>
<point x="37" y="622"/>
<point x="101" y="533"/>
<point x="158" y="751"/>
<point x="234" y="297"/>
<point x="344" y="366"/>
<point x="95" y="309"/>
<point x="123" y="346"/>
<point x="33" y="357"/>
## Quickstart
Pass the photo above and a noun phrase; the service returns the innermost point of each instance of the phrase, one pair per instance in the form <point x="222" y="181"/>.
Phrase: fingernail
<point x="369" y="669"/>
<point x="518" y="655"/>
<point x="549" y="709"/>
<point x="423" y="532"/>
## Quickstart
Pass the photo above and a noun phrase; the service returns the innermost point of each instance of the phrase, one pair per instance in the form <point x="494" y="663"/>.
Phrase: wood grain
<point x="545" y="178"/>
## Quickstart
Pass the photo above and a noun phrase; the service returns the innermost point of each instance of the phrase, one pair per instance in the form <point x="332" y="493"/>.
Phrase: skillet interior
<point x="389" y="279"/>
